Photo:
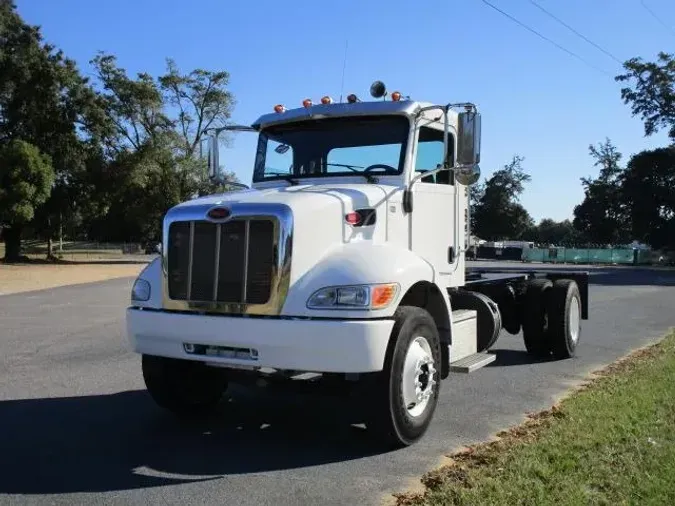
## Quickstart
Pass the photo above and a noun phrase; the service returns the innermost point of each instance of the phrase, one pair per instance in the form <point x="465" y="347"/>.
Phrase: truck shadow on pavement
<point x="123" y="441"/>
<point x="509" y="357"/>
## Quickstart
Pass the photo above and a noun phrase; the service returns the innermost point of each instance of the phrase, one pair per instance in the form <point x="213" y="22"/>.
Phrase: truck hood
<point x="302" y="197"/>
<point x="319" y="224"/>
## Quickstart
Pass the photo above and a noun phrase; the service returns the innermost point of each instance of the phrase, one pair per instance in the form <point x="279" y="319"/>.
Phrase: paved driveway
<point x="76" y="426"/>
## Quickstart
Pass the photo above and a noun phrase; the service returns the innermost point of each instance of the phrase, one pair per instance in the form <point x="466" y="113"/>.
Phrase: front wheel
<point x="403" y="397"/>
<point x="184" y="387"/>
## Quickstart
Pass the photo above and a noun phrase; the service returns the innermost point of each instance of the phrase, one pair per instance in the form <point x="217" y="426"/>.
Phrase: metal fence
<point x="625" y="256"/>
<point x="74" y="250"/>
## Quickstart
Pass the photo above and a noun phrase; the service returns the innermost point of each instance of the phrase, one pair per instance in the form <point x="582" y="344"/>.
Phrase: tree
<point x="26" y="178"/>
<point x="135" y="107"/>
<point x="558" y="233"/>
<point x="121" y="156"/>
<point x="496" y="211"/>
<point x="44" y="101"/>
<point x="153" y="163"/>
<point x="476" y="193"/>
<point x="649" y="188"/>
<point x="652" y="95"/>
<point x="202" y="100"/>
<point x="602" y="217"/>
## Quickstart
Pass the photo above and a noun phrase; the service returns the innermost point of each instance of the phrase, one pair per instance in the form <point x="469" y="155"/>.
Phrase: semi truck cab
<point x="344" y="260"/>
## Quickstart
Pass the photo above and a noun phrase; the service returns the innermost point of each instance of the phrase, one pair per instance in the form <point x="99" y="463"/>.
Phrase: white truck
<point x="344" y="265"/>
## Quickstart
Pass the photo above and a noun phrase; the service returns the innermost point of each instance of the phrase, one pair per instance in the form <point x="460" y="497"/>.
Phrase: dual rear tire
<point x="551" y="319"/>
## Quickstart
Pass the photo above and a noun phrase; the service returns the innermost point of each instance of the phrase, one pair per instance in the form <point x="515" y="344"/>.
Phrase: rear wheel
<point x="536" y="318"/>
<point x="183" y="386"/>
<point x="401" y="400"/>
<point x="564" y="323"/>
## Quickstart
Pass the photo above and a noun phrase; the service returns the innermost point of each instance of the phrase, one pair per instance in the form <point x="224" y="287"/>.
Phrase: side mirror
<point x="211" y="155"/>
<point x="467" y="175"/>
<point x="468" y="138"/>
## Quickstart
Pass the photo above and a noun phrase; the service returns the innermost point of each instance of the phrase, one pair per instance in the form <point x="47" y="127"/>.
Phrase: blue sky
<point x="536" y="100"/>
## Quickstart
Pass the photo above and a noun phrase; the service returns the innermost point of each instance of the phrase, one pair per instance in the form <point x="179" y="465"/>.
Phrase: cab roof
<point x="334" y="110"/>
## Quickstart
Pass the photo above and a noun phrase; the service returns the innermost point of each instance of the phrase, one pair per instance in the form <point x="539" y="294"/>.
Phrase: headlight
<point x="354" y="297"/>
<point x="140" y="290"/>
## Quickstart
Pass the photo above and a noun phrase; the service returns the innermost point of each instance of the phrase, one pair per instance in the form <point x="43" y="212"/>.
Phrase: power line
<point x="547" y="39"/>
<point x="576" y="32"/>
<point x="670" y="29"/>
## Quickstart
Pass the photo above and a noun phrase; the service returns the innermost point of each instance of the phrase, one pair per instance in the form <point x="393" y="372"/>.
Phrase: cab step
<point x="472" y="362"/>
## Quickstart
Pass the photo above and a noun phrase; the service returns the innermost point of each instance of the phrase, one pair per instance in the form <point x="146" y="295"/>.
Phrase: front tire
<point x="184" y="387"/>
<point x="402" y="399"/>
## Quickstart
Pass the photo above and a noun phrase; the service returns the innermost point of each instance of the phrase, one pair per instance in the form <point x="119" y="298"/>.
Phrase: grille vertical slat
<point x="232" y="259"/>
<point x="232" y="262"/>
<point x="190" y="260"/>
<point x="260" y="262"/>
<point x="244" y="270"/>
<point x="203" y="260"/>
<point x="216" y="262"/>
<point x="178" y="252"/>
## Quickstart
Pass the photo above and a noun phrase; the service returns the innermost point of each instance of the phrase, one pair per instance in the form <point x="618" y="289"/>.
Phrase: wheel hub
<point x="575" y="319"/>
<point x="418" y="376"/>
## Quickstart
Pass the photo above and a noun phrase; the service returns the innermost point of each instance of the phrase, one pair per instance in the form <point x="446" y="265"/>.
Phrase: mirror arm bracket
<point x="232" y="128"/>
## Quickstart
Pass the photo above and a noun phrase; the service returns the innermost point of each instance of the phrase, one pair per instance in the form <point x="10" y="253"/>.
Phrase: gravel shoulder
<point x="19" y="278"/>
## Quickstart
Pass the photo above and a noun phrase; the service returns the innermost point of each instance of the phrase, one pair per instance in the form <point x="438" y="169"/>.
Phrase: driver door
<point x="433" y="216"/>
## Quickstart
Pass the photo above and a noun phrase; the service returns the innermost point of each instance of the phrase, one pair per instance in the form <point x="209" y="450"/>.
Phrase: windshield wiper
<point x="350" y="167"/>
<point x="354" y="168"/>
<point x="285" y="176"/>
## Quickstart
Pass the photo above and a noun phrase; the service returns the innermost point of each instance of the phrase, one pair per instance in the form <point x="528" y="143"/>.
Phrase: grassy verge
<point x="612" y="442"/>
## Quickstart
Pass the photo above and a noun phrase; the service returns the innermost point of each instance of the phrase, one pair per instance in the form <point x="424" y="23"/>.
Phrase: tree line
<point x="98" y="158"/>
<point x="623" y="203"/>
<point x="102" y="157"/>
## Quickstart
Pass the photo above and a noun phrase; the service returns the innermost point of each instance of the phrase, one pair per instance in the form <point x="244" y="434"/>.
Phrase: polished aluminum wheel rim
<point x="418" y="376"/>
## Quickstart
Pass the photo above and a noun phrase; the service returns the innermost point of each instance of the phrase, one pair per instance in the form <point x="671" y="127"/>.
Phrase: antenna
<point x="344" y="66"/>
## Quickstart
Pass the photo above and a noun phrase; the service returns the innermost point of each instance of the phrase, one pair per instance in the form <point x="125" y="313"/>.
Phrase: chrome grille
<point x="231" y="262"/>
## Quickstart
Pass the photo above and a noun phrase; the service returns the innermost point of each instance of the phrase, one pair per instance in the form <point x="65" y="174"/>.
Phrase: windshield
<point x="332" y="147"/>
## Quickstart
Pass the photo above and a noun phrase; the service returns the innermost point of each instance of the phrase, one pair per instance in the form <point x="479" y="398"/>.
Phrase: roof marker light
<point x="326" y="100"/>
<point x="307" y="103"/>
<point x="279" y="108"/>
<point x="352" y="98"/>
<point x="396" y="96"/>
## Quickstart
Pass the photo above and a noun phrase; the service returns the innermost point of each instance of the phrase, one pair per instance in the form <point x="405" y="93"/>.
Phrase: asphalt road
<point x="76" y="426"/>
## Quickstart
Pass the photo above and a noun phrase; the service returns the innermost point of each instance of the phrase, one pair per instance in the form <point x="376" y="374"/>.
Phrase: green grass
<point x="611" y="442"/>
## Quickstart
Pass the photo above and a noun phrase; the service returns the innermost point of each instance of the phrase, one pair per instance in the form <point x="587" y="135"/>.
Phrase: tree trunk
<point x="50" y="244"/>
<point x="60" y="232"/>
<point x="12" y="238"/>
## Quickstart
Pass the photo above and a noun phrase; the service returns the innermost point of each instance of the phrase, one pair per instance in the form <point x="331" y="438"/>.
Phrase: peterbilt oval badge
<point x="218" y="213"/>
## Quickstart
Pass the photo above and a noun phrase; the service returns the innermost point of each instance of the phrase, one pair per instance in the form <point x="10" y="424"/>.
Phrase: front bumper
<point x="348" y="346"/>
